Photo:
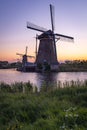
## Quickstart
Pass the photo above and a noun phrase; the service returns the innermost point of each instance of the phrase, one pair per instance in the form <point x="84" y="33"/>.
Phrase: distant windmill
<point x="24" y="56"/>
<point x="47" y="47"/>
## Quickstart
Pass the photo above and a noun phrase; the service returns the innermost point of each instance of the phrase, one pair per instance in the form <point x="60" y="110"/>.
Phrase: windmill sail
<point x="52" y="17"/>
<point x="64" y="37"/>
<point x="19" y="54"/>
<point x="53" y="27"/>
<point x="35" y="27"/>
<point x="26" y="50"/>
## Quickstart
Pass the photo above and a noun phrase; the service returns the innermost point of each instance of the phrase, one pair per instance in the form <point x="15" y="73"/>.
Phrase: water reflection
<point x="46" y="78"/>
<point x="11" y="76"/>
<point x="54" y="78"/>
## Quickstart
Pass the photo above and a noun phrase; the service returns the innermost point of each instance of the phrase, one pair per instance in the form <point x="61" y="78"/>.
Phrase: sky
<point x="70" y="19"/>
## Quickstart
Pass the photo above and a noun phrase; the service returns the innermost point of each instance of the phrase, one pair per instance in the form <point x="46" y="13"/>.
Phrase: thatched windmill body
<point x="47" y="47"/>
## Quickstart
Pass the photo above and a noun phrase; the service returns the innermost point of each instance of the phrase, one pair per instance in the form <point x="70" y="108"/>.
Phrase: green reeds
<point x="18" y="87"/>
<point x="54" y="107"/>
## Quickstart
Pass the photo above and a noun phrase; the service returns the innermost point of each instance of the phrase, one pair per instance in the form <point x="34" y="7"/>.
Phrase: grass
<point x="22" y="107"/>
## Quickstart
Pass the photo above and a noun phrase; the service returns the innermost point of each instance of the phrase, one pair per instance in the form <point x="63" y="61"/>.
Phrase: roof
<point x="46" y="34"/>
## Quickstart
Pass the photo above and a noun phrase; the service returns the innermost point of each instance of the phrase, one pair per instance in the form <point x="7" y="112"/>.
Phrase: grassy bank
<point x="53" y="108"/>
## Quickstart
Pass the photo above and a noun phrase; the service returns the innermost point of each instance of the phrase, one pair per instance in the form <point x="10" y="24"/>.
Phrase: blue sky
<point x="70" y="19"/>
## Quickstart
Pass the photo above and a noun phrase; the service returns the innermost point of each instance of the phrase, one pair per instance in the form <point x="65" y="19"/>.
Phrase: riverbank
<point x="73" y="66"/>
<point x="67" y="66"/>
<point x="22" y="107"/>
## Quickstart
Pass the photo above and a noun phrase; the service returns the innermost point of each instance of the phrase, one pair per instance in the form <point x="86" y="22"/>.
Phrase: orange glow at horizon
<point x="65" y="51"/>
<point x="71" y="56"/>
<point x="12" y="57"/>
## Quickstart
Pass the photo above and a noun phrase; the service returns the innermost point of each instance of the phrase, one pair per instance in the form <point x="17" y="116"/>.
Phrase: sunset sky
<point x="70" y="19"/>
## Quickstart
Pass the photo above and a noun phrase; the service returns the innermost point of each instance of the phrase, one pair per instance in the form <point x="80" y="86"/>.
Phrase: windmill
<point x="48" y="38"/>
<point x="24" y="57"/>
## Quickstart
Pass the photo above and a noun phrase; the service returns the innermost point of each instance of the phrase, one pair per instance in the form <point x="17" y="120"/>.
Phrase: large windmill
<point x="47" y="47"/>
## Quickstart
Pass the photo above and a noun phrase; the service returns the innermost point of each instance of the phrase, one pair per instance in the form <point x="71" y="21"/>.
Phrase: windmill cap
<point x="45" y="34"/>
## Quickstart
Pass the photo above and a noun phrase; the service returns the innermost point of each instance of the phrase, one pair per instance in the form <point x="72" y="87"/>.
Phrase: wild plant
<point x="70" y="119"/>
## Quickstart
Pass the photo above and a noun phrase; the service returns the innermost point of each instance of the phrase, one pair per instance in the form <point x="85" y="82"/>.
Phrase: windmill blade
<point x="30" y="56"/>
<point x="19" y="54"/>
<point x="52" y="17"/>
<point x="35" y="27"/>
<point x="26" y="50"/>
<point x="52" y="24"/>
<point x="64" y="37"/>
<point x="36" y="44"/>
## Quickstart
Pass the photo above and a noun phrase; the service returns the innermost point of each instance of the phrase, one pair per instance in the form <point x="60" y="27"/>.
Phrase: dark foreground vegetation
<point x="22" y="107"/>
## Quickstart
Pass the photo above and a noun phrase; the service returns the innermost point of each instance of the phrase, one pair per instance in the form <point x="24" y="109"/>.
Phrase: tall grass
<point x="22" y="107"/>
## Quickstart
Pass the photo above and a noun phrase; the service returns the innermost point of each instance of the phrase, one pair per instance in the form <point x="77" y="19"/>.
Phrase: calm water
<point x="11" y="76"/>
